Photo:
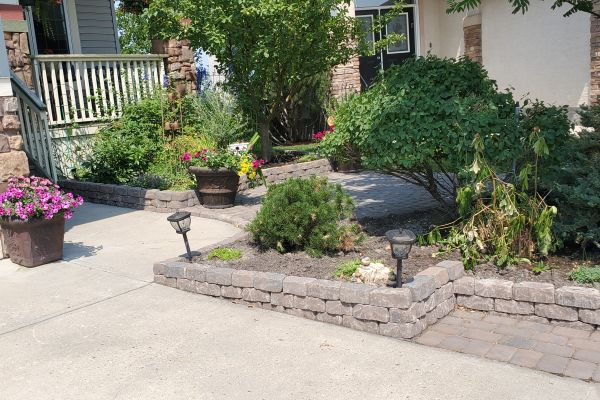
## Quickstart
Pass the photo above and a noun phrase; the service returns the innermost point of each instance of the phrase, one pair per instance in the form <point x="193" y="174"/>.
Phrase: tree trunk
<point x="265" y="140"/>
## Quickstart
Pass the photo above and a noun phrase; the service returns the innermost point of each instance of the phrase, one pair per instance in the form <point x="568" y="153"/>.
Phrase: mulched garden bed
<point x="376" y="247"/>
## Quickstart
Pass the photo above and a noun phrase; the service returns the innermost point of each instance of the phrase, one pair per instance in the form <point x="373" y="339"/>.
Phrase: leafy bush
<point x="501" y="221"/>
<point x="347" y="269"/>
<point x="584" y="274"/>
<point x="574" y="185"/>
<point x="225" y="254"/>
<point x="422" y="117"/>
<point x="120" y="151"/>
<point x="305" y="214"/>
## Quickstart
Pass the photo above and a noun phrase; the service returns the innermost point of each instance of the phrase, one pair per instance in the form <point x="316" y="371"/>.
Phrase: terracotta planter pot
<point x="35" y="242"/>
<point x="216" y="188"/>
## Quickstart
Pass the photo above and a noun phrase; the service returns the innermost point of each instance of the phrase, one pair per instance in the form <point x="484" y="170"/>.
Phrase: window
<point x="366" y="22"/>
<point x="50" y="29"/>
<point x="399" y="25"/>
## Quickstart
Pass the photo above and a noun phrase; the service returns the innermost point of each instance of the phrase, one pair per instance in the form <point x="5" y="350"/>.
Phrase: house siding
<point x="97" y="31"/>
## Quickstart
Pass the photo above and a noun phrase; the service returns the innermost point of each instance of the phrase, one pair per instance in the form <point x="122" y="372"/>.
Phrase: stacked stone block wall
<point x="170" y="201"/>
<point x="568" y="305"/>
<point x="397" y="312"/>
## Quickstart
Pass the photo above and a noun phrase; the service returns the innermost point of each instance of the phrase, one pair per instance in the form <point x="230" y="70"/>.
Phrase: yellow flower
<point x="252" y="175"/>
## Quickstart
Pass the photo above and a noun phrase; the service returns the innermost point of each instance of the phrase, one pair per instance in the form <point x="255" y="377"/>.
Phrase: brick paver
<point x="555" y="349"/>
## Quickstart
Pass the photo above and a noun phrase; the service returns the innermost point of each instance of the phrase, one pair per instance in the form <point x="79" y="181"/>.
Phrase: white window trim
<point x="70" y="12"/>
<point x="407" y="36"/>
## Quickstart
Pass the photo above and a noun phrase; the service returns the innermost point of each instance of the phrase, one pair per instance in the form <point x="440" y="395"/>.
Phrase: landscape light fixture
<point x="401" y="241"/>
<point x="181" y="221"/>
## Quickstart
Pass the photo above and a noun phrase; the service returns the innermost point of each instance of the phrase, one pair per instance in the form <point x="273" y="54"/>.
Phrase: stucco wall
<point x="540" y="52"/>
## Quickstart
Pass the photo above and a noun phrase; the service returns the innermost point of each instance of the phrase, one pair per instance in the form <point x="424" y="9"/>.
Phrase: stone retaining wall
<point x="397" y="312"/>
<point x="170" y="201"/>
<point x="574" y="306"/>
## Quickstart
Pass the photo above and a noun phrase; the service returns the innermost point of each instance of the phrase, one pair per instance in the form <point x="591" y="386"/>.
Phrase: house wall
<point x="540" y="52"/>
<point x="96" y="23"/>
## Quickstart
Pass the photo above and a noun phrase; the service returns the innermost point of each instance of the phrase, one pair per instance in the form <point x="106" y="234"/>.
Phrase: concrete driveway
<point x="94" y="327"/>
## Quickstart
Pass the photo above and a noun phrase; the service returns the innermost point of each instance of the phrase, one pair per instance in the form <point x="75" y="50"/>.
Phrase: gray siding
<point x="96" y="26"/>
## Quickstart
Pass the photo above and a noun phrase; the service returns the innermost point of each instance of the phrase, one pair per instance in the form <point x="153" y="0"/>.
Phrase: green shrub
<point x="422" y="117"/>
<point x="583" y="274"/>
<point x="574" y="184"/>
<point x="216" y="116"/>
<point x="305" y="214"/>
<point x="121" y="151"/>
<point x="347" y="269"/>
<point x="225" y="254"/>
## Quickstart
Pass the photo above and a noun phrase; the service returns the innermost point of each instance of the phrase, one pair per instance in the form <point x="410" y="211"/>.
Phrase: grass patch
<point x="346" y="269"/>
<point x="225" y="254"/>
<point x="583" y="274"/>
<point x="304" y="147"/>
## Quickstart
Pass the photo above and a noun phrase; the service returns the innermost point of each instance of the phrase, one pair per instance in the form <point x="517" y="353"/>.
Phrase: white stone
<point x="374" y="273"/>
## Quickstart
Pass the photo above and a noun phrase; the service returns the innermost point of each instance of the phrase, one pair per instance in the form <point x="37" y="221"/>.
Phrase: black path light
<point x="401" y="241"/>
<point x="181" y="221"/>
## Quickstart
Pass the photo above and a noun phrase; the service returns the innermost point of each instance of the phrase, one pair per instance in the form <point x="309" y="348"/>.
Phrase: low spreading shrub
<point x="583" y="274"/>
<point x="347" y="269"/>
<point x="225" y="254"/>
<point x="305" y="214"/>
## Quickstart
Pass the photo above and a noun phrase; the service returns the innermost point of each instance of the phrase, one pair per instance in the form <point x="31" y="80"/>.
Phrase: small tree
<point x="134" y="31"/>
<point x="267" y="49"/>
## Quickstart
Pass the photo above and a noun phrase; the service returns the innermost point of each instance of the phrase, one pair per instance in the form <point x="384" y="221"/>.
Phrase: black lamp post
<point x="401" y="241"/>
<point x="181" y="221"/>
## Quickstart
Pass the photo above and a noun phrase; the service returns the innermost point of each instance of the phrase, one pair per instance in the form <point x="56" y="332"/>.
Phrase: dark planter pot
<point x="346" y="166"/>
<point x="216" y="188"/>
<point x="35" y="242"/>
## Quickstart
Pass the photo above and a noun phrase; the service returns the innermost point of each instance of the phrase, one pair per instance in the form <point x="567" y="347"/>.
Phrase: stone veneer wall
<point x="397" y="312"/>
<point x="17" y="48"/>
<point x="472" y="37"/>
<point x="595" y="54"/>
<point x="345" y="79"/>
<point x="180" y="64"/>
<point x="169" y="201"/>
<point x="13" y="160"/>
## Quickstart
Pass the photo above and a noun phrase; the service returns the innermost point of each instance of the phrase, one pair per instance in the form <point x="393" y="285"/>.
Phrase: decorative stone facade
<point x="13" y="160"/>
<point x="180" y="64"/>
<point x="472" y="37"/>
<point x="169" y="201"/>
<point x="17" y="47"/>
<point x="345" y="79"/>
<point x="595" y="54"/>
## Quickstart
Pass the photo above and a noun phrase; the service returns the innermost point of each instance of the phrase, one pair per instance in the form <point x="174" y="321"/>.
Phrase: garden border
<point x="170" y="201"/>
<point x="397" y="312"/>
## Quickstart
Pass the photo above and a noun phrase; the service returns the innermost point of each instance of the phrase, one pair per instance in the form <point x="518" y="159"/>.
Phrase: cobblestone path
<point x="555" y="349"/>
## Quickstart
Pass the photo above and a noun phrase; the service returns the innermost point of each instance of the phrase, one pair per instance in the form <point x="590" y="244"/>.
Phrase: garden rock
<point x="374" y="273"/>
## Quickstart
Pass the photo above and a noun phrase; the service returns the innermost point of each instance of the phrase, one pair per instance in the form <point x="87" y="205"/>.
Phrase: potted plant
<point x="342" y="154"/>
<point x="32" y="218"/>
<point x="218" y="173"/>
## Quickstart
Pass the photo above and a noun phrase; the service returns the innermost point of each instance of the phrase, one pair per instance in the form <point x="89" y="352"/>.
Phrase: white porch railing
<point x="34" y="128"/>
<point x="87" y="88"/>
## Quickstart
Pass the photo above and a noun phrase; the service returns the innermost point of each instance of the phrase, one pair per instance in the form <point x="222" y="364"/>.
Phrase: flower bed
<point x="169" y="201"/>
